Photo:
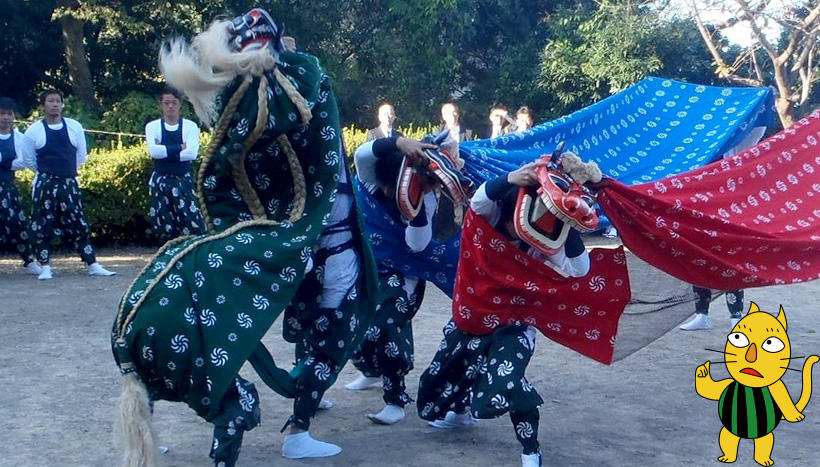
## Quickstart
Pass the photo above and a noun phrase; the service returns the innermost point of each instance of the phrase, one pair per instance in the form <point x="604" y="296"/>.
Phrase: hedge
<point x="114" y="183"/>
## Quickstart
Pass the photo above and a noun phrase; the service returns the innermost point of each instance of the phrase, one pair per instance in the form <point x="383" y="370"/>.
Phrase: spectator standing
<point x="59" y="149"/>
<point x="450" y="119"/>
<point x="14" y="225"/>
<point x="173" y="143"/>
<point x="524" y="119"/>
<point x="387" y="115"/>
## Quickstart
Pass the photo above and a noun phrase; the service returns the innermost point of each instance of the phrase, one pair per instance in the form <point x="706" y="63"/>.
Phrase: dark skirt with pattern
<point x="387" y="349"/>
<point x="484" y="372"/>
<point x="58" y="212"/>
<point x="174" y="207"/>
<point x="14" y="224"/>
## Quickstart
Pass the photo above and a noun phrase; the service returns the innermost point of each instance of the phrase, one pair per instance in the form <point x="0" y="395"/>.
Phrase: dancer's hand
<point x="413" y="149"/>
<point x="525" y="175"/>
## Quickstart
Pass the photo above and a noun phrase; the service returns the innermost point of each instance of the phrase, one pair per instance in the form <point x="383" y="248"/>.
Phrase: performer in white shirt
<point x="14" y="228"/>
<point x="173" y="144"/>
<point x="59" y="149"/>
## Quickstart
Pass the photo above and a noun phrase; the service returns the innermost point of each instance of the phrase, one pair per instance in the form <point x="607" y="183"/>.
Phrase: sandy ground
<point x="59" y="386"/>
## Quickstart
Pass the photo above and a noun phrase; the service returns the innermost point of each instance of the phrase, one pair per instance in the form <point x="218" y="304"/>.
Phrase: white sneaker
<point x="734" y="322"/>
<point x="531" y="460"/>
<point x="33" y="268"/>
<point x="363" y="382"/>
<point x="698" y="322"/>
<point x="96" y="269"/>
<point x="610" y="232"/>
<point x="389" y="415"/>
<point x="325" y="404"/>
<point x="302" y="445"/>
<point x="45" y="273"/>
<point x="454" y="420"/>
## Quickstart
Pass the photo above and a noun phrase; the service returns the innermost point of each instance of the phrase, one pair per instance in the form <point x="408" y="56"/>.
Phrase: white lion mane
<point x="202" y="69"/>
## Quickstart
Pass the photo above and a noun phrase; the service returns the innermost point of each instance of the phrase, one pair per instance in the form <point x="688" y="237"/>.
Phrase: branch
<point x="758" y="33"/>
<point x="707" y="38"/>
<point x="756" y="64"/>
<point x="805" y="26"/>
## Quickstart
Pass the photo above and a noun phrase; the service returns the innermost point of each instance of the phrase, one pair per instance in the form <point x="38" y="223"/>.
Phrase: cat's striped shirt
<point x="748" y="412"/>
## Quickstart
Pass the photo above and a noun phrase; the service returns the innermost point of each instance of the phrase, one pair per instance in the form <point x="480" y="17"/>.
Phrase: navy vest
<point x="171" y="165"/>
<point x="58" y="157"/>
<point x="7" y="155"/>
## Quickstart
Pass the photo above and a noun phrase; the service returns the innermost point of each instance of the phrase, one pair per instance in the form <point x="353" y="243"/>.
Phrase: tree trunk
<point x="785" y="110"/>
<point x="79" y="72"/>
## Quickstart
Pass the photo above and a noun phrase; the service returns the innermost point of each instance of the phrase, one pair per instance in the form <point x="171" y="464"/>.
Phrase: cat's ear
<point x="781" y="316"/>
<point x="753" y="308"/>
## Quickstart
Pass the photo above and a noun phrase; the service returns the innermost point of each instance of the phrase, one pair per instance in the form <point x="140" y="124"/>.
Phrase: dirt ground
<point x="59" y="386"/>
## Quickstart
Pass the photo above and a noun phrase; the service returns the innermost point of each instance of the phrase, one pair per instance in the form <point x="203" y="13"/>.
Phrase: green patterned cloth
<point x="205" y="302"/>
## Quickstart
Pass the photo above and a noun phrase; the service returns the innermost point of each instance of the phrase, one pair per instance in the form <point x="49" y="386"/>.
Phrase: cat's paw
<point x="767" y="462"/>
<point x="795" y="418"/>
<point x="702" y="371"/>
<point x="727" y="459"/>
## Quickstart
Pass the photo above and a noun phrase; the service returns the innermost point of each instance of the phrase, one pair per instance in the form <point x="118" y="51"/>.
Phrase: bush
<point x="114" y="183"/>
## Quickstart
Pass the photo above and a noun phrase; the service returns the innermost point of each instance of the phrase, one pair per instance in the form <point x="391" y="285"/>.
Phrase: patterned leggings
<point x="734" y="301"/>
<point x="526" y="429"/>
<point x="58" y="212"/>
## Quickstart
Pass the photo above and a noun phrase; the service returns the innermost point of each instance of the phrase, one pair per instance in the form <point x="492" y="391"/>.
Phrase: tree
<point x="596" y="51"/>
<point x="787" y="62"/>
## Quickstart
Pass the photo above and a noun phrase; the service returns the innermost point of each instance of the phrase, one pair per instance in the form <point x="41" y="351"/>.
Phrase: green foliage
<point x="131" y="113"/>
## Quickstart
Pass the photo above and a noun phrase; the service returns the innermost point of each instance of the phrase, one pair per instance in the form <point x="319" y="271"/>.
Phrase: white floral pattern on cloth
<point x="746" y="221"/>
<point x="494" y="288"/>
<point x="652" y="129"/>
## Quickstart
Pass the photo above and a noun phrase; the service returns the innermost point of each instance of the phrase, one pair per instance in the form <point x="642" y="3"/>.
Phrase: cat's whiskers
<point x="792" y="369"/>
<point x="720" y="351"/>
<point x="727" y="361"/>
<point x="790" y="358"/>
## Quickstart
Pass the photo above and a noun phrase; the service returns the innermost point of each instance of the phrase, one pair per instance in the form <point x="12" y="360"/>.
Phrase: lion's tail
<point x="133" y="432"/>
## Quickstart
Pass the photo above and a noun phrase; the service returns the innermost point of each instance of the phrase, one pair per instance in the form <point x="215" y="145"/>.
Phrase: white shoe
<point x="531" y="460"/>
<point x="363" y="382"/>
<point x="454" y="420"/>
<point x="389" y="415"/>
<point x="610" y="232"/>
<point x="33" y="268"/>
<point x="302" y="445"/>
<point x="45" y="273"/>
<point x="699" y="322"/>
<point x="96" y="269"/>
<point x="734" y="322"/>
<point x="325" y="404"/>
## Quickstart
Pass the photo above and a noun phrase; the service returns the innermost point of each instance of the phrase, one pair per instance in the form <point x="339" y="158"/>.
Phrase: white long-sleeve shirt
<point x="490" y="210"/>
<point x="23" y="149"/>
<point x="190" y="137"/>
<point x="36" y="136"/>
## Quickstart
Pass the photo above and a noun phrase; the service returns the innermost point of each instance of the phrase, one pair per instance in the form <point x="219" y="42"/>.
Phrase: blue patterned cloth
<point x="648" y="131"/>
<point x="385" y="233"/>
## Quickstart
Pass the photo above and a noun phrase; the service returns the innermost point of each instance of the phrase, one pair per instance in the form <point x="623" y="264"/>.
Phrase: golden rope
<point x="218" y="135"/>
<point x="240" y="174"/>
<point x="294" y="96"/>
<point x="299" y="184"/>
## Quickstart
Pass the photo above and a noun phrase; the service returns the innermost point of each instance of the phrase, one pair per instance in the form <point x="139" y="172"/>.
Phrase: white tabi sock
<point x="96" y="269"/>
<point x="363" y="382"/>
<point x="302" y="445"/>
<point x="45" y="273"/>
<point x="33" y="268"/>
<point x="389" y="415"/>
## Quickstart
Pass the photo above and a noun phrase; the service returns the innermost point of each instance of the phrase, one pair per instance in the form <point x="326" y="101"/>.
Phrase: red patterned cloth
<point x="746" y="221"/>
<point x="497" y="283"/>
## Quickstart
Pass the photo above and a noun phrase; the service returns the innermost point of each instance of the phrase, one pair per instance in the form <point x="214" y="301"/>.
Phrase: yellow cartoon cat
<point x="754" y="399"/>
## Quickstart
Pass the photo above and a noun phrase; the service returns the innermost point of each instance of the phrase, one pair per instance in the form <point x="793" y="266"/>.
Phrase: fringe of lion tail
<point x="806" y="393"/>
<point x="133" y="432"/>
